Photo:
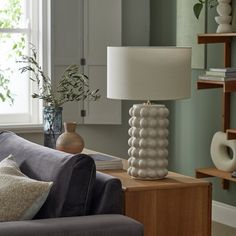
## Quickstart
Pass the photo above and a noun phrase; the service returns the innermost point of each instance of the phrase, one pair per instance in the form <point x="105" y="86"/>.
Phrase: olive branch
<point x="73" y="85"/>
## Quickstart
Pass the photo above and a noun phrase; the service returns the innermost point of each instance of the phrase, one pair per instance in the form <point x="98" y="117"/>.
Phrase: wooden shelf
<point x="231" y="134"/>
<point x="219" y="38"/>
<point x="213" y="172"/>
<point x="228" y="86"/>
<point x="216" y="38"/>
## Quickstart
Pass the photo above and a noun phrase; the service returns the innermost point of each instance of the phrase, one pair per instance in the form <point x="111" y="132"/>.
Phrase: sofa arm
<point x="99" y="225"/>
<point x="107" y="195"/>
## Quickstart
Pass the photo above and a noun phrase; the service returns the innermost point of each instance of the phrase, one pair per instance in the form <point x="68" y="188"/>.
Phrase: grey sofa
<point x="82" y="201"/>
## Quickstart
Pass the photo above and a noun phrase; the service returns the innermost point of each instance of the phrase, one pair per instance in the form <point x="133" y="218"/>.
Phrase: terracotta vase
<point x="70" y="141"/>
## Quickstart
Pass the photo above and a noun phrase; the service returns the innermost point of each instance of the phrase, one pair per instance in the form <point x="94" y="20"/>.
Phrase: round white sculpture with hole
<point x="148" y="142"/>
<point x="220" y="154"/>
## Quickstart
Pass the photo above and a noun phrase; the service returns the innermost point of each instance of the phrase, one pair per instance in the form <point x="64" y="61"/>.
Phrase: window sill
<point x="23" y="128"/>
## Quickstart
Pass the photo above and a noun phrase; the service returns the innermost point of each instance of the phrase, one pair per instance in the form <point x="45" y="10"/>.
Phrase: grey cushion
<point x="73" y="176"/>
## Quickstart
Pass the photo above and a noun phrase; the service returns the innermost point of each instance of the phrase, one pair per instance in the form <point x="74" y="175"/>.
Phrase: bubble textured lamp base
<point x="148" y="142"/>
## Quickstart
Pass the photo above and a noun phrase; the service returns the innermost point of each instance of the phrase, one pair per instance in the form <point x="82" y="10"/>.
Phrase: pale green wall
<point x="194" y="121"/>
<point x="163" y="20"/>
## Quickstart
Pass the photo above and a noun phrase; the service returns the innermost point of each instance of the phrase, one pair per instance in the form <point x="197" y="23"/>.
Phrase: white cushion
<point x="20" y="196"/>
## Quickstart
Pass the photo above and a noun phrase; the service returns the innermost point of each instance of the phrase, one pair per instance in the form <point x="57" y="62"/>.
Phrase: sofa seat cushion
<point x="20" y="197"/>
<point x="73" y="176"/>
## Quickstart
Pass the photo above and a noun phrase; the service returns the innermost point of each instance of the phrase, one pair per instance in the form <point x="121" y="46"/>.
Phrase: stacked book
<point x="105" y="162"/>
<point x="219" y="74"/>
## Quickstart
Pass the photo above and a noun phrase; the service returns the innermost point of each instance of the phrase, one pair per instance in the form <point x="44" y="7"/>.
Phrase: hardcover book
<point x="221" y="73"/>
<point x="226" y="69"/>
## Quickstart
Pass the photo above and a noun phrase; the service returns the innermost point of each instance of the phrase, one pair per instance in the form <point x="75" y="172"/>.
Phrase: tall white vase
<point x="148" y="142"/>
<point x="224" y="19"/>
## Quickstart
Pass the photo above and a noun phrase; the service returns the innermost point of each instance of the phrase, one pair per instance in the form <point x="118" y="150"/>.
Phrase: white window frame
<point x="40" y="15"/>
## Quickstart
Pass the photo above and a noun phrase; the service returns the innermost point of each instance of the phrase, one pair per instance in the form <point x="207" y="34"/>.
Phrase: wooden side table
<point x="175" y="206"/>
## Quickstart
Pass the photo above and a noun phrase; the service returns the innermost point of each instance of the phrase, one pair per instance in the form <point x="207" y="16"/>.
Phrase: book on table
<point x="104" y="161"/>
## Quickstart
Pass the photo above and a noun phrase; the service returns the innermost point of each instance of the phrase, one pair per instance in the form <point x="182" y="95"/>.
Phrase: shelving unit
<point x="231" y="133"/>
<point x="219" y="38"/>
<point x="213" y="172"/>
<point x="227" y="88"/>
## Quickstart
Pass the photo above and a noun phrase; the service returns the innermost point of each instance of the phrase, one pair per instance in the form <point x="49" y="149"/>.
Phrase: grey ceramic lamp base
<point x="148" y="142"/>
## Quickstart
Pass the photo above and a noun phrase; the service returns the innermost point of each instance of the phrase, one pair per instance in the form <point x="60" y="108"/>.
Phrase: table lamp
<point x="148" y="73"/>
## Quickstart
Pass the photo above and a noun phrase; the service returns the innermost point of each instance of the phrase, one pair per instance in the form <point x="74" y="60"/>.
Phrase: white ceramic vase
<point x="224" y="19"/>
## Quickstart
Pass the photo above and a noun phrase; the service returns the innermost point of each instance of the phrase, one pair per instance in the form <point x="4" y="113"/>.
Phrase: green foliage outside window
<point x="11" y="16"/>
<point x="5" y="94"/>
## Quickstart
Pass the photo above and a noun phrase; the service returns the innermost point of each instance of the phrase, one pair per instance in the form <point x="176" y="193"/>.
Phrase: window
<point x="21" y="22"/>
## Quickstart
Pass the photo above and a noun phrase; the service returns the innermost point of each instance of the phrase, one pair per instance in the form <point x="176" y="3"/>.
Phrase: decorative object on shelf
<point x="70" y="141"/>
<point x="224" y="19"/>
<point x="233" y="175"/>
<point x="73" y="86"/>
<point x="52" y="120"/>
<point x="220" y="154"/>
<point x="148" y="73"/>
<point x="224" y="10"/>
<point x="227" y="87"/>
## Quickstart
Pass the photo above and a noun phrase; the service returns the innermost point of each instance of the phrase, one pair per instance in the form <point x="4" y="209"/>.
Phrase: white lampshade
<point x="148" y="73"/>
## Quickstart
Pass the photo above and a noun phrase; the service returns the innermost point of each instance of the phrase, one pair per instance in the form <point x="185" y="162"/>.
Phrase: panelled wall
<point x="81" y="32"/>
